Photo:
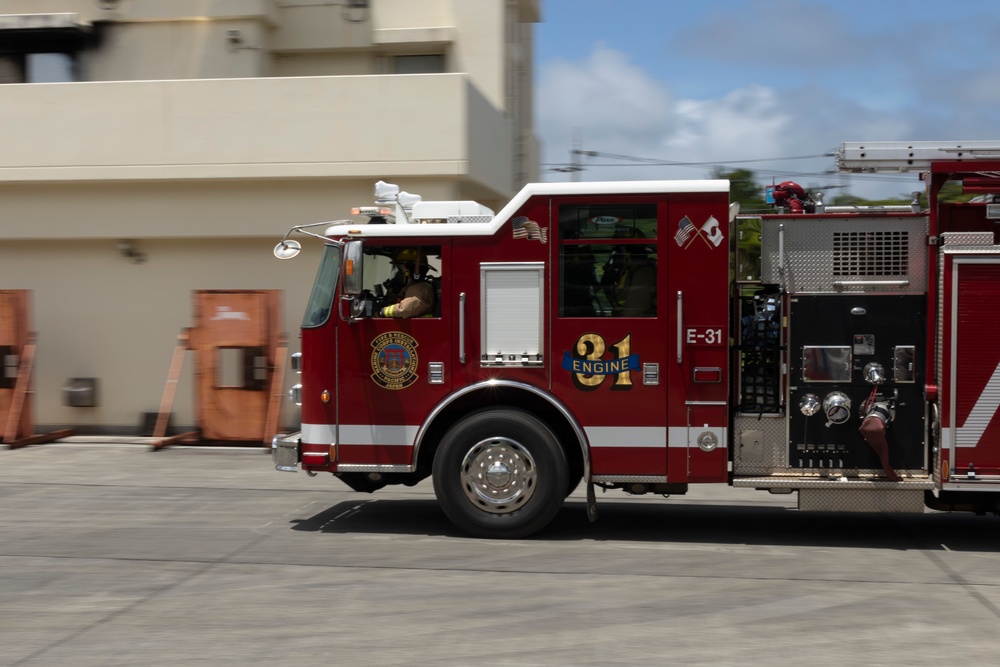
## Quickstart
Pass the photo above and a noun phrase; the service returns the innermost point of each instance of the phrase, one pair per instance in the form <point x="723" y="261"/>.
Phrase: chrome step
<point x="841" y="483"/>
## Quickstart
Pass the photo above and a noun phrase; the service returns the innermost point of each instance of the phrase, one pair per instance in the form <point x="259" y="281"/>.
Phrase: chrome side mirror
<point x="354" y="274"/>
<point x="287" y="249"/>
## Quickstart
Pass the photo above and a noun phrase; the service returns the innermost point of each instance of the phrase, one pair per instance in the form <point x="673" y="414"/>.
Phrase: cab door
<point x="392" y="372"/>
<point x="609" y="329"/>
<point x="640" y="327"/>
<point x="697" y="245"/>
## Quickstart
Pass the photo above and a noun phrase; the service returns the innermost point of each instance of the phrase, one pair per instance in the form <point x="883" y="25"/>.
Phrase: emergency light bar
<point x="371" y="211"/>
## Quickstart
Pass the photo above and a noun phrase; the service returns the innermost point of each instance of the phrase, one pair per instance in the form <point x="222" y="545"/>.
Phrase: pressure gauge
<point x="837" y="407"/>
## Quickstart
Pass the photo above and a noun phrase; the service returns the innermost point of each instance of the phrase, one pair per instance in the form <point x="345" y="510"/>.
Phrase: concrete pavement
<point x="113" y="555"/>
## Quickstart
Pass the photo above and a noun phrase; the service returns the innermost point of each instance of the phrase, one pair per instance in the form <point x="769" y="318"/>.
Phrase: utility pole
<point x="574" y="156"/>
<point x="574" y="167"/>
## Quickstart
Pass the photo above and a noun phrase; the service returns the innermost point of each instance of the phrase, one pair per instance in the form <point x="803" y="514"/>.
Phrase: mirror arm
<point x="302" y="230"/>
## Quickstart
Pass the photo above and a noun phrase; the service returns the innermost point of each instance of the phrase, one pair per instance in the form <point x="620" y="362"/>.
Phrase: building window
<point x="11" y="68"/>
<point x="37" y="68"/>
<point x="50" y="68"/>
<point x="42" y="48"/>
<point x="422" y="64"/>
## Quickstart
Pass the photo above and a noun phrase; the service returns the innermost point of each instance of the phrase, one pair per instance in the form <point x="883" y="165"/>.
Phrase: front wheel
<point x="500" y="472"/>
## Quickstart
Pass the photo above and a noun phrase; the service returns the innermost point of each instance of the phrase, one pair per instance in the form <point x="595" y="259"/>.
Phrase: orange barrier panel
<point x="17" y="355"/>
<point x="239" y="367"/>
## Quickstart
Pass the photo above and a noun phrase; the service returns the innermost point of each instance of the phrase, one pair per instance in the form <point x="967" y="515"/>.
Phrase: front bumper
<point x="286" y="451"/>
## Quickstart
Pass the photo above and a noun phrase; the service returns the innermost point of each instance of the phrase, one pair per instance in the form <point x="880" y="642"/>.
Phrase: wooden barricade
<point x="17" y="356"/>
<point x="239" y="357"/>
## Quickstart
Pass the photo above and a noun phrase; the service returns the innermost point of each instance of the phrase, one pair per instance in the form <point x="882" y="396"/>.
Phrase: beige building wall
<point x="199" y="131"/>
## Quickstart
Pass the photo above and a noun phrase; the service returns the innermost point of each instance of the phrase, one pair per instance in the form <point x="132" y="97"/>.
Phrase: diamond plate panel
<point x="630" y="479"/>
<point x="967" y="238"/>
<point x="454" y="219"/>
<point x="760" y="445"/>
<point x="823" y="255"/>
<point x="861" y="500"/>
<point x="795" y="480"/>
<point x="358" y="467"/>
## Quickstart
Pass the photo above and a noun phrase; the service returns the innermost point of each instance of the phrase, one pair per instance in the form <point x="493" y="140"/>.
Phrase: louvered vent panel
<point x="871" y="254"/>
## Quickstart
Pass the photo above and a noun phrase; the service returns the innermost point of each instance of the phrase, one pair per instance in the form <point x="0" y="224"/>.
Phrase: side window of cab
<point x="402" y="281"/>
<point x="607" y="260"/>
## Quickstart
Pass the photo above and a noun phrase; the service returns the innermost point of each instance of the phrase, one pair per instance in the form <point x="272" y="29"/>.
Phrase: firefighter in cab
<point x="629" y="278"/>
<point x="412" y="292"/>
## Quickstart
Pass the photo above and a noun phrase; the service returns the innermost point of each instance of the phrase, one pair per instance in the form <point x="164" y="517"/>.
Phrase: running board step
<point x="842" y="483"/>
<point x="848" y="494"/>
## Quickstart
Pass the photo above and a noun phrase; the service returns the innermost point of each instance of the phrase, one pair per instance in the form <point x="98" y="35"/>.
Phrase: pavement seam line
<point x="961" y="581"/>
<point x="137" y="603"/>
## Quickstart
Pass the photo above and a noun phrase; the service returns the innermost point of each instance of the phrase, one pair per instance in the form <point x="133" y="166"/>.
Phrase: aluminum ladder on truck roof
<point x="904" y="156"/>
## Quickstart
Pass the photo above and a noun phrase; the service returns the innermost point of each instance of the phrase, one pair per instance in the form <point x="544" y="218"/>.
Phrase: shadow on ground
<point x="678" y="522"/>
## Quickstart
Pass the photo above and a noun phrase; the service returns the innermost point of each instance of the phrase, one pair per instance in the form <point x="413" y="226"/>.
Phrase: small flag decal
<point x="684" y="230"/>
<point x="529" y="229"/>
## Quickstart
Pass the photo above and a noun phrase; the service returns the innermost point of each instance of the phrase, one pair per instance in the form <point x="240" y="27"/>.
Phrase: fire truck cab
<point x="620" y="334"/>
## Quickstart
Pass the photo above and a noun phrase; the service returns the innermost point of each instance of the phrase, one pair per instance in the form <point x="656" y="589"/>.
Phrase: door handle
<point x="461" y="328"/>
<point x="680" y="327"/>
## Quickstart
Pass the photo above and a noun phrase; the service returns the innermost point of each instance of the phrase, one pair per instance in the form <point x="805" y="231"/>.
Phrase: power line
<point x="760" y="175"/>
<point x="577" y="166"/>
<point x="675" y="163"/>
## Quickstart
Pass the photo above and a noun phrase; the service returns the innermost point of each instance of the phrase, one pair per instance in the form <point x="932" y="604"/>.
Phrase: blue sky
<point x="728" y="80"/>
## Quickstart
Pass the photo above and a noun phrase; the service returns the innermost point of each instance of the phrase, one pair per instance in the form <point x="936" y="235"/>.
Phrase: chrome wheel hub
<point x="498" y="475"/>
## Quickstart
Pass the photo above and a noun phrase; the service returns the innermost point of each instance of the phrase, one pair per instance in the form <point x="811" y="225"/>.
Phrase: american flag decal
<point x="529" y="229"/>
<point x="684" y="229"/>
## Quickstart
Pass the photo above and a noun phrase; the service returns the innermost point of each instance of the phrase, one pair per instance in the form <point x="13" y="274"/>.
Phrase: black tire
<point x="574" y="483"/>
<point x="500" y="473"/>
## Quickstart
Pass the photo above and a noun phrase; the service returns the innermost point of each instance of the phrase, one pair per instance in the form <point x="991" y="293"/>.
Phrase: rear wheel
<point x="500" y="472"/>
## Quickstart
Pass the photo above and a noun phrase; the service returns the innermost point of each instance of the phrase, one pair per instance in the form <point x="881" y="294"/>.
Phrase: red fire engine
<point x="642" y="336"/>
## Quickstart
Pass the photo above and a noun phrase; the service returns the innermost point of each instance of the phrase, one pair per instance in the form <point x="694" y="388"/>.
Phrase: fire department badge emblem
<point x="394" y="360"/>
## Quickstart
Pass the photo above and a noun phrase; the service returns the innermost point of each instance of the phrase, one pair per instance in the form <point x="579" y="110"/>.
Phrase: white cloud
<point x="606" y="95"/>
<point x="752" y="79"/>
<point x="618" y="108"/>
<point x="742" y="125"/>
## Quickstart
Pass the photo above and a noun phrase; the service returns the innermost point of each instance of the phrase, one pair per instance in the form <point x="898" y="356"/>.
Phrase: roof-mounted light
<point x="406" y="200"/>
<point x="385" y="193"/>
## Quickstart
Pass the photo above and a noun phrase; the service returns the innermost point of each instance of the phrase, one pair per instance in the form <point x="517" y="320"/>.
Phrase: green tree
<point x="854" y="200"/>
<point x="950" y="192"/>
<point x="743" y="188"/>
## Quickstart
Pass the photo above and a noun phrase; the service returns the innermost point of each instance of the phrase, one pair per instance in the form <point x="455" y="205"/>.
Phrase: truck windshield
<point x="321" y="299"/>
